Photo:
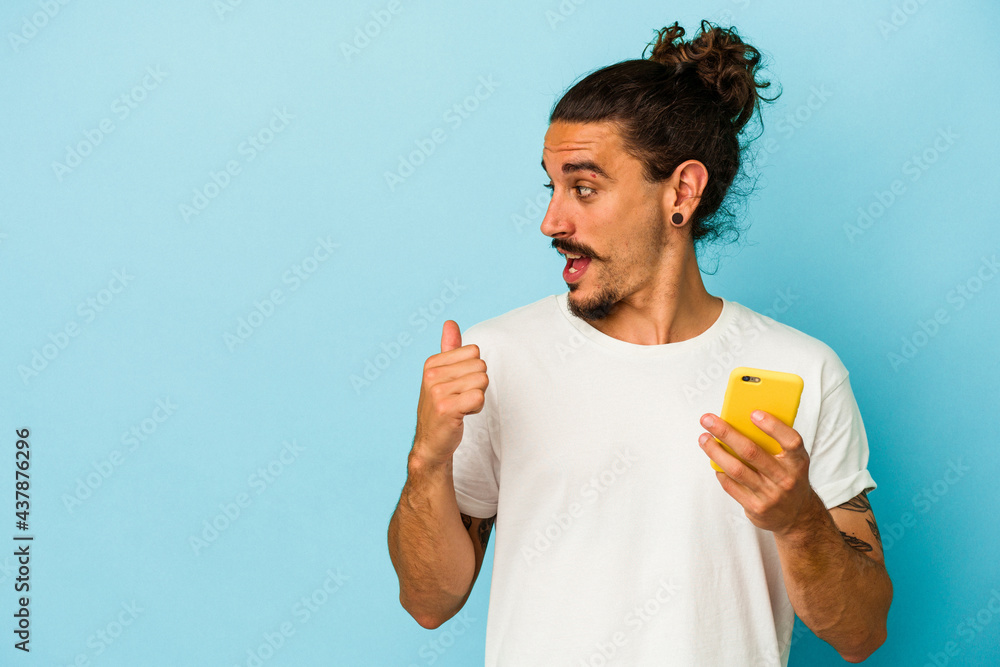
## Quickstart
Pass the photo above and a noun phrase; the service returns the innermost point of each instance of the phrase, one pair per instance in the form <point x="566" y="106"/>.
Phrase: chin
<point x="591" y="310"/>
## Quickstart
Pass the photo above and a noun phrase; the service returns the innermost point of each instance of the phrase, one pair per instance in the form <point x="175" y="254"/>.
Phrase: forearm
<point x="429" y="546"/>
<point x="840" y="593"/>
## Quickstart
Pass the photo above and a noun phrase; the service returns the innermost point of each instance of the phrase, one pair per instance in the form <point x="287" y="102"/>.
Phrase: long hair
<point x="687" y="101"/>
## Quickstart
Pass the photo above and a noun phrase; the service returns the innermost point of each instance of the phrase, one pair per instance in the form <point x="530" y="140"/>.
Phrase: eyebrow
<point x="586" y="165"/>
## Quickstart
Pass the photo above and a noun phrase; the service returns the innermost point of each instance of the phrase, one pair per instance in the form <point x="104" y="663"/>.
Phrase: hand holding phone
<point x="752" y="389"/>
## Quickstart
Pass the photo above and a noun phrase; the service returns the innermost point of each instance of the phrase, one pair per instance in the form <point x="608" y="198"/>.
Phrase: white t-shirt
<point x="614" y="542"/>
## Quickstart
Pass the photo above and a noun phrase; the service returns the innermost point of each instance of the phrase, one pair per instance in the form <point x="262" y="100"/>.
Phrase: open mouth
<point x="576" y="266"/>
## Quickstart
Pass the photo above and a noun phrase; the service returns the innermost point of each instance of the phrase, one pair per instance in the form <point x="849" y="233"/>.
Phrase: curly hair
<point x="690" y="100"/>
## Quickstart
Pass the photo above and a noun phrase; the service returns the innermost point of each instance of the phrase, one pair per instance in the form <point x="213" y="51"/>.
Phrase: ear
<point x="684" y="188"/>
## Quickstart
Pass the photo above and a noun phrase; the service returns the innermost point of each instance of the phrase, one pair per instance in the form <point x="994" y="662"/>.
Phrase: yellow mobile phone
<point x="750" y="389"/>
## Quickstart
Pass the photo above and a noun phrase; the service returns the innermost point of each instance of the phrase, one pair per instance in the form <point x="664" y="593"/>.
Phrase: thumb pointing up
<point x="451" y="336"/>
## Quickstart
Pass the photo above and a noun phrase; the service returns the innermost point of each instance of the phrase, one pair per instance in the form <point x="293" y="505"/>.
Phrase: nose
<point x="556" y="222"/>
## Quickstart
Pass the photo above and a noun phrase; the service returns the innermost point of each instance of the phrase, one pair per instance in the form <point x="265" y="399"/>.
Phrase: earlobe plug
<point x="677" y="219"/>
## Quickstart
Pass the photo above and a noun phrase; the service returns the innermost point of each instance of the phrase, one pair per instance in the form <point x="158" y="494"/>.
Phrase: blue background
<point x="116" y="519"/>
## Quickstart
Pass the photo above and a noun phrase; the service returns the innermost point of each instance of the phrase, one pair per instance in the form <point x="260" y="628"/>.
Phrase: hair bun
<point x="725" y="64"/>
<point x="681" y="66"/>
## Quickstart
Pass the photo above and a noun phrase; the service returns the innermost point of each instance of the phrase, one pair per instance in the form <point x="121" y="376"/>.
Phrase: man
<point x="615" y="545"/>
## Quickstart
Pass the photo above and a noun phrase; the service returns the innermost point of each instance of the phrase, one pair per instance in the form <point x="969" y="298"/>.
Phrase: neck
<point x="672" y="306"/>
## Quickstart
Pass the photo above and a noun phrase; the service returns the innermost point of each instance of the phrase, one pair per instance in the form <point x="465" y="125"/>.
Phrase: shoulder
<point x="516" y="323"/>
<point x="794" y="348"/>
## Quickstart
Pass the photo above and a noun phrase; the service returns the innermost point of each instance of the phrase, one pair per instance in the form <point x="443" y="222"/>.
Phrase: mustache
<point x="574" y="248"/>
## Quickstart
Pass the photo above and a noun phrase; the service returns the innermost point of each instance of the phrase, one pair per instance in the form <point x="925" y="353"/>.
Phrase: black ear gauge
<point x="677" y="219"/>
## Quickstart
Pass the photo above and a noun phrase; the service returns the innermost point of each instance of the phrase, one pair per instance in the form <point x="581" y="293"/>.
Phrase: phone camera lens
<point x="746" y="378"/>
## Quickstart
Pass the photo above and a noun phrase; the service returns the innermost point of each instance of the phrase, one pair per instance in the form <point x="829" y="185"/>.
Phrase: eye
<point x="578" y="189"/>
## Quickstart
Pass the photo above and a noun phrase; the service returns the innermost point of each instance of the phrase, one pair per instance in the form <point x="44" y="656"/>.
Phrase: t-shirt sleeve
<point x="475" y="463"/>
<point x="838" y="462"/>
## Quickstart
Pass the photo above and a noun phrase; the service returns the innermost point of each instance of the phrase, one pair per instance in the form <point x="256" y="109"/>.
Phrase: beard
<point x="596" y="307"/>
<point x="614" y="283"/>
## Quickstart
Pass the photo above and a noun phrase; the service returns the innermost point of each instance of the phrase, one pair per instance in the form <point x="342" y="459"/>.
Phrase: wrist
<point x="421" y="460"/>
<point x="813" y="519"/>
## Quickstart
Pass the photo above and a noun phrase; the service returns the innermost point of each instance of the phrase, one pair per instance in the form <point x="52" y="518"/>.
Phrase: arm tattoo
<point x="485" y="526"/>
<point x="854" y="542"/>
<point x="871" y="524"/>
<point x="484" y="531"/>
<point x="862" y="504"/>
<point x="858" y="504"/>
